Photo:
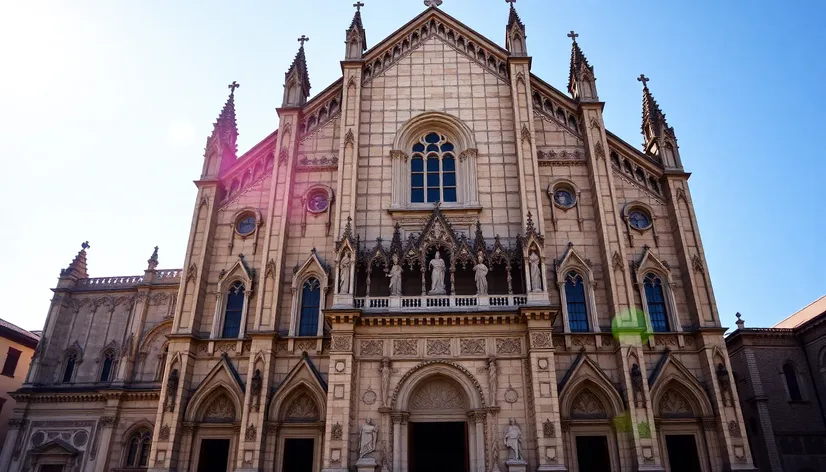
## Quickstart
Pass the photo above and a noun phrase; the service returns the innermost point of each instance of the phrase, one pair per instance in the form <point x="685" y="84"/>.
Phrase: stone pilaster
<point x="637" y="425"/>
<point x="341" y="393"/>
<point x="126" y="366"/>
<point x="546" y="415"/>
<point x="103" y="440"/>
<point x="349" y="144"/>
<point x="260" y="374"/>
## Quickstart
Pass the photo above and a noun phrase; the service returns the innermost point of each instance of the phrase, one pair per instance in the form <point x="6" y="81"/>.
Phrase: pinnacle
<point x="299" y="66"/>
<point x="513" y="18"/>
<point x="651" y="112"/>
<point x="356" y="23"/>
<point x="578" y="62"/>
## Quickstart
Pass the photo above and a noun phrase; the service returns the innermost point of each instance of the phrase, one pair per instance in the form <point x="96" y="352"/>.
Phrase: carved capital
<point x="399" y="417"/>
<point x="108" y="421"/>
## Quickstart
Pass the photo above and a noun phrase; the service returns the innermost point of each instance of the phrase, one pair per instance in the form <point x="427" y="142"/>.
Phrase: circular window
<point x="317" y="203"/>
<point x="245" y="225"/>
<point x="639" y="220"/>
<point x="564" y="197"/>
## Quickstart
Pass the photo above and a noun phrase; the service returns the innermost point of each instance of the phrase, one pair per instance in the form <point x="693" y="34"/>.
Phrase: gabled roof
<point x="805" y="314"/>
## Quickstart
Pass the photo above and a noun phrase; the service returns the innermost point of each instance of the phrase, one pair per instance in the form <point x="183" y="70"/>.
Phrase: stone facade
<point x="310" y="301"/>
<point x="780" y="374"/>
<point x="17" y="346"/>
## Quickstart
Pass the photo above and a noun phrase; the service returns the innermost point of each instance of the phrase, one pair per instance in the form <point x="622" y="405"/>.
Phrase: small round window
<point x="317" y="203"/>
<point x="639" y="219"/>
<point x="564" y="197"/>
<point x="245" y="225"/>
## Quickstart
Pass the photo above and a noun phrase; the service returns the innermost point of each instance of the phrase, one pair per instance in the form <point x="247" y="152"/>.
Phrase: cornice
<point x="49" y="395"/>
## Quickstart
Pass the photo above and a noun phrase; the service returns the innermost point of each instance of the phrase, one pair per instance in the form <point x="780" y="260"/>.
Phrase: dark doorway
<point x="298" y="455"/>
<point x="51" y="468"/>
<point x="449" y="439"/>
<point x="214" y="455"/>
<point x="592" y="454"/>
<point x="682" y="453"/>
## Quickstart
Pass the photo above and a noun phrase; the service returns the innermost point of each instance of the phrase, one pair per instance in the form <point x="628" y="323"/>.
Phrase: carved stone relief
<point x="221" y="409"/>
<point x="588" y="405"/>
<point x="303" y="408"/>
<point x="472" y="346"/>
<point x="438" y="395"/>
<point x="508" y="346"/>
<point x="372" y="347"/>
<point x="438" y="347"/>
<point x="674" y="404"/>
<point x="405" y="347"/>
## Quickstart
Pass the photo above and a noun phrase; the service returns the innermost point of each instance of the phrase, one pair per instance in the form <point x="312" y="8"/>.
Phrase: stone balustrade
<point x="429" y="302"/>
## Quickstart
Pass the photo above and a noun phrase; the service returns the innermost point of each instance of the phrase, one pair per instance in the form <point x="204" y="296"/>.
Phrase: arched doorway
<point x="588" y="409"/>
<point x="679" y="414"/>
<point x="298" y="417"/>
<point x="439" y="421"/>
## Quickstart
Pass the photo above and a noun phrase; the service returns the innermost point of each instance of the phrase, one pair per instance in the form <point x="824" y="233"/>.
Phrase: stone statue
<point x="437" y="275"/>
<point x="725" y="384"/>
<point x="536" y="274"/>
<point x="344" y="274"/>
<point x="255" y="389"/>
<point x="395" y="277"/>
<point x="384" y="387"/>
<point x="493" y="379"/>
<point x="513" y="439"/>
<point x="172" y="389"/>
<point x="368" y="434"/>
<point x="481" y="271"/>
<point x="636" y="383"/>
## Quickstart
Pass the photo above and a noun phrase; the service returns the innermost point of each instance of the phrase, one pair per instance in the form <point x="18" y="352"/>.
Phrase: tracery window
<point x="433" y="170"/>
<point x="792" y="385"/>
<point x="576" y="303"/>
<point x="233" y="310"/>
<point x="655" y="300"/>
<point x="310" y="304"/>
<point x="140" y="443"/>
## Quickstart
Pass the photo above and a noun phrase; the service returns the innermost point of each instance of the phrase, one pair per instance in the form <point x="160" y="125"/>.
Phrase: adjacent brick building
<point x="437" y="250"/>
<point x="781" y="377"/>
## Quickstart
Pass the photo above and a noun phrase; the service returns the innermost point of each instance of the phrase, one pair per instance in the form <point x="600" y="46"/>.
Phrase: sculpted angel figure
<point x="437" y="275"/>
<point x="481" y="271"/>
<point x="536" y="274"/>
<point x="395" y="275"/>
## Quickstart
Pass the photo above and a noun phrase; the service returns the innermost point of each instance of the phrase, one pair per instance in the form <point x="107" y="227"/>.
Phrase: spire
<point x="581" y="75"/>
<point x="297" y="79"/>
<point x="515" y="33"/>
<point x="222" y="145"/>
<point x="356" y="36"/>
<point x="660" y="139"/>
<point x="77" y="268"/>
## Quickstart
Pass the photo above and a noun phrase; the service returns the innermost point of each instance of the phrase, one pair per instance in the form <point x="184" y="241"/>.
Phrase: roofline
<point x="798" y="311"/>
<point x="29" y="340"/>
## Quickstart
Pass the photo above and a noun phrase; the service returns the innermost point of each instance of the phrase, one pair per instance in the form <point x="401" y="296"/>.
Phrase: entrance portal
<point x="592" y="454"/>
<point x="438" y="447"/>
<point x="214" y="455"/>
<point x="682" y="453"/>
<point x="298" y="455"/>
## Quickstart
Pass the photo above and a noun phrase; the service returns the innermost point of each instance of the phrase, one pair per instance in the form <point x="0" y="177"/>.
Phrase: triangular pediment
<point x="238" y="271"/>
<point x="585" y="373"/>
<point x="437" y="232"/>
<point x="669" y="372"/>
<point x="572" y="260"/>
<point x="222" y="377"/>
<point x="304" y="379"/>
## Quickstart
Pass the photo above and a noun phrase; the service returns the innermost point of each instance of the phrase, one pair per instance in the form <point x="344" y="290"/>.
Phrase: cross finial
<point x="573" y="35"/>
<point x="510" y="1"/>
<point x="358" y="6"/>
<point x="234" y="85"/>
<point x="642" y="78"/>
<point x="85" y="245"/>
<point x="303" y="39"/>
<point x="432" y="3"/>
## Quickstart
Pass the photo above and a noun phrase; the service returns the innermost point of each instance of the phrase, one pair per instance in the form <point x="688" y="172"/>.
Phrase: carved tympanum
<point x="221" y="409"/>
<point x="438" y="395"/>
<point x="588" y="405"/>
<point x="674" y="404"/>
<point x="303" y="408"/>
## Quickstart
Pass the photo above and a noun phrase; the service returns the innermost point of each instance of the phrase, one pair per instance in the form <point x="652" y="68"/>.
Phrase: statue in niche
<point x="344" y="274"/>
<point x="384" y="373"/>
<point x="636" y="383"/>
<point x="481" y="271"/>
<point x="513" y="440"/>
<point x="368" y="434"/>
<point x="536" y="273"/>
<point x="255" y="389"/>
<point x="493" y="379"/>
<point x="172" y="389"/>
<point x="725" y="384"/>
<point x="395" y="275"/>
<point x="437" y="275"/>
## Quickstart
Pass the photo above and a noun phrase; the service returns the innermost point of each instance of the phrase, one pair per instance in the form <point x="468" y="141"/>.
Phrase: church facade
<point x="439" y="262"/>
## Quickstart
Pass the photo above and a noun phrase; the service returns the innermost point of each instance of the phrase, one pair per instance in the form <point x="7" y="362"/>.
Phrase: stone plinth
<point x="366" y="464"/>
<point x="516" y="466"/>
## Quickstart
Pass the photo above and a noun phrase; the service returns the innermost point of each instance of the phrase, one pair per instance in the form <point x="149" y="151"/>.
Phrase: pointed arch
<point x="312" y="275"/>
<point x="656" y="287"/>
<point x="576" y="284"/>
<point x="303" y="379"/>
<point x="586" y="375"/>
<point x="671" y="374"/>
<point x="141" y="424"/>
<point x="235" y="287"/>
<point x="221" y="380"/>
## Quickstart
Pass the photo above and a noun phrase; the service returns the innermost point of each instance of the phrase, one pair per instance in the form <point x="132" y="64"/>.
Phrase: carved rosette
<point x="372" y="347"/>
<point x="472" y="346"/>
<point x="541" y="340"/>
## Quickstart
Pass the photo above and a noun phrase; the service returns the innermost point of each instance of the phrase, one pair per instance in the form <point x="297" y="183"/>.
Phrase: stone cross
<point x="303" y="39"/>
<point x="642" y="78"/>
<point x="432" y="3"/>
<point x="234" y="85"/>
<point x="572" y="35"/>
<point x="358" y="6"/>
<point x="85" y="245"/>
<point x="510" y="1"/>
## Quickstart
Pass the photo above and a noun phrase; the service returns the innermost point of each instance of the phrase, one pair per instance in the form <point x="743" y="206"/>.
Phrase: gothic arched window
<point x="433" y="170"/>
<point x="69" y="369"/>
<point x="310" y="303"/>
<point x="108" y="365"/>
<point x="575" y="301"/>
<point x="792" y="385"/>
<point x="655" y="300"/>
<point x="140" y="443"/>
<point x="232" y="313"/>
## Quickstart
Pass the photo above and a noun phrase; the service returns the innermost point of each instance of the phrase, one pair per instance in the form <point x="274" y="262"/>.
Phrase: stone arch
<point x="300" y="407"/>
<point x="286" y="398"/>
<point x="438" y="370"/>
<point x="589" y="398"/>
<point x="208" y="402"/>
<point x="461" y="135"/>
<point x="142" y="424"/>
<point x="675" y="397"/>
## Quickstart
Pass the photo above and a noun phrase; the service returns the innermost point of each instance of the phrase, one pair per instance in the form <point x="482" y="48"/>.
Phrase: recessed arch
<point x="597" y="395"/>
<point x="445" y="123"/>
<point x="436" y="369"/>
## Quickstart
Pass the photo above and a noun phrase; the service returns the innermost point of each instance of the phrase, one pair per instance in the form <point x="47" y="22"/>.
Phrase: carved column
<point x="543" y="385"/>
<point x="399" y="419"/>
<point x="102" y="440"/>
<point x="340" y="392"/>
<point x="477" y="423"/>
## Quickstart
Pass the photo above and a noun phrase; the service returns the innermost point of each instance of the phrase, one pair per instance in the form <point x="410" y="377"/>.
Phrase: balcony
<point x="429" y="303"/>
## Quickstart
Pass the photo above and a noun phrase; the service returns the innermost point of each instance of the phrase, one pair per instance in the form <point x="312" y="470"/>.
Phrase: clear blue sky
<point x="106" y="107"/>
